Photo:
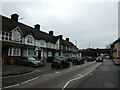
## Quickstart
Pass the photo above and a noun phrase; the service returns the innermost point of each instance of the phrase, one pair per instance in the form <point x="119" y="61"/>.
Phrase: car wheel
<point x="61" y="66"/>
<point x="31" y="65"/>
<point x="52" y="67"/>
<point x="68" y="65"/>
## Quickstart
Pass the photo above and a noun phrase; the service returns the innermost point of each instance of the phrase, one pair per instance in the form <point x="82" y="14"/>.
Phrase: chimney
<point x="51" y="33"/>
<point x="67" y="39"/>
<point x="37" y="27"/>
<point x="14" y="17"/>
<point x="60" y="36"/>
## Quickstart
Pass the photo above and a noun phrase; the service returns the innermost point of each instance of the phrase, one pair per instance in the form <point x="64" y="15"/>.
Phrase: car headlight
<point x="35" y="63"/>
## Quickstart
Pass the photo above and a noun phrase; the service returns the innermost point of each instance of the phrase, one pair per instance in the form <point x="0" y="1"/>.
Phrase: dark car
<point x="89" y="59"/>
<point x="84" y="58"/>
<point x="99" y="59"/>
<point x="60" y="63"/>
<point x="77" y="60"/>
<point x="29" y="61"/>
<point x="70" y="59"/>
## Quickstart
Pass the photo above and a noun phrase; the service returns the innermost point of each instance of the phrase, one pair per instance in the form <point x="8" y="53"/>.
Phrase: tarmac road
<point x="51" y="78"/>
<point x="106" y="75"/>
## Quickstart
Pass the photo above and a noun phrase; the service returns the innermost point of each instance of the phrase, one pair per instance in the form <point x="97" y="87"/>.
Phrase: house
<point x="19" y="40"/>
<point x="116" y="51"/>
<point x="68" y="48"/>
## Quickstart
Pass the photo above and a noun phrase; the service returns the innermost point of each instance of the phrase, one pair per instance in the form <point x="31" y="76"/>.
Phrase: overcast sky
<point x="87" y="23"/>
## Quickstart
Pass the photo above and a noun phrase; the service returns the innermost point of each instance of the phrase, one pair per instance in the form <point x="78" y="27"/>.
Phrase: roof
<point x="118" y="40"/>
<point x="66" y="43"/>
<point x="8" y="25"/>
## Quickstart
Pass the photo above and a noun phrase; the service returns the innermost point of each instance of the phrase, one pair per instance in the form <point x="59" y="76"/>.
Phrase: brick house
<point x="116" y="51"/>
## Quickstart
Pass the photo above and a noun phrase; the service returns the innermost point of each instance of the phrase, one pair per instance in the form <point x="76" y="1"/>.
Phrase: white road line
<point x="81" y="76"/>
<point x="30" y="80"/>
<point x="70" y="81"/>
<point x="65" y="85"/>
<point x="19" y="75"/>
<point x="51" y="74"/>
<point x="11" y="86"/>
<point x="77" y="78"/>
<point x="56" y="72"/>
<point x="92" y="70"/>
<point x="21" y="83"/>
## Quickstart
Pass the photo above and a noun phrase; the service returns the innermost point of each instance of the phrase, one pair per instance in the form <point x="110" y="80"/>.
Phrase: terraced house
<point x="19" y="40"/>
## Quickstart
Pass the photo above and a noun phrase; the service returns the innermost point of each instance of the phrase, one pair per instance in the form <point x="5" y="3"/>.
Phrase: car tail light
<point x="58" y="62"/>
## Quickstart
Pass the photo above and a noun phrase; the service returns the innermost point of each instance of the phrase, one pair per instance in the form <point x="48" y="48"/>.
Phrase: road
<point x="51" y="78"/>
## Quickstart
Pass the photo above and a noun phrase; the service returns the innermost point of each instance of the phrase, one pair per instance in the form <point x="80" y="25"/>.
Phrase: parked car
<point x="70" y="59"/>
<point x="62" y="57"/>
<point x="77" y="60"/>
<point x="89" y="59"/>
<point x="29" y="61"/>
<point x="99" y="59"/>
<point x="60" y="63"/>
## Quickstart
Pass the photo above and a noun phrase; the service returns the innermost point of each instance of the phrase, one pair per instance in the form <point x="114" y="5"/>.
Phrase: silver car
<point x="29" y="61"/>
<point x="99" y="59"/>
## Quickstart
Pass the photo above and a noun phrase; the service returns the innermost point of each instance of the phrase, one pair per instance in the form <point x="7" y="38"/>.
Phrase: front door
<point x="39" y="54"/>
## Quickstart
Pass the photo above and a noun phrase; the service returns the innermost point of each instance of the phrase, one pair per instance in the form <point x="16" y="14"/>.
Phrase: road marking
<point x="30" y="80"/>
<point x="51" y="74"/>
<point x="71" y="80"/>
<point x="21" y="83"/>
<point x="11" y="86"/>
<point x="77" y="78"/>
<point x="56" y="72"/>
<point x="65" y="85"/>
<point x="81" y="76"/>
<point x="92" y="70"/>
<point x="19" y="75"/>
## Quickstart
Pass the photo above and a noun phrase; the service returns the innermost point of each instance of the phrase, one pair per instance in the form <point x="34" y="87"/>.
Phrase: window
<point x="29" y="52"/>
<point x="29" y="39"/>
<point x="42" y="43"/>
<point x="14" y="52"/>
<point x="49" y="54"/>
<point x="16" y="36"/>
<point x="49" y="44"/>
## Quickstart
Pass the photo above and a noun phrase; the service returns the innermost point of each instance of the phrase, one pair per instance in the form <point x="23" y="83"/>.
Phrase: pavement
<point x="8" y="70"/>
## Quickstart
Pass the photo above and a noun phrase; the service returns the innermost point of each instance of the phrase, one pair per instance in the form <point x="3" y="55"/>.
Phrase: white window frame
<point x="49" y="45"/>
<point x="29" y="52"/>
<point x="49" y="53"/>
<point x="42" y="43"/>
<point x="14" y="51"/>
<point x="29" y="39"/>
<point x="16" y="36"/>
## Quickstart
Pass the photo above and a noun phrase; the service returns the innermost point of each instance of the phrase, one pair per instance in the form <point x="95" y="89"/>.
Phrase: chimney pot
<point x="14" y="17"/>
<point x="60" y="36"/>
<point x="37" y="27"/>
<point x="51" y="32"/>
<point x="67" y="39"/>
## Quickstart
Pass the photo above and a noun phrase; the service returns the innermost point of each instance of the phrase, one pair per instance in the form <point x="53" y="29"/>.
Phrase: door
<point x="39" y="54"/>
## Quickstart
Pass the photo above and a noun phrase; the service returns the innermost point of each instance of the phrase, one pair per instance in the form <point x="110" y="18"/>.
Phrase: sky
<point x="86" y="24"/>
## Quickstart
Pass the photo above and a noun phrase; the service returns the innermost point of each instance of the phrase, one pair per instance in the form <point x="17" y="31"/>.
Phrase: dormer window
<point x="16" y="36"/>
<point x="29" y="39"/>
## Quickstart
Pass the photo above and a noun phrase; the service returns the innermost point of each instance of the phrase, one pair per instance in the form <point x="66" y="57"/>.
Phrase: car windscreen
<point x="31" y="59"/>
<point x="56" y="60"/>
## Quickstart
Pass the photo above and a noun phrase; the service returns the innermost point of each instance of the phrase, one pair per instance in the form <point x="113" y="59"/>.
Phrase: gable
<point x="17" y="29"/>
